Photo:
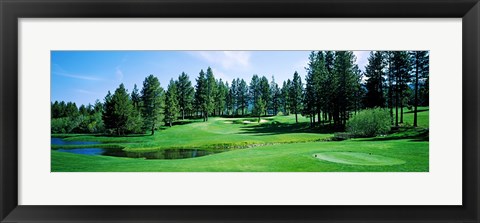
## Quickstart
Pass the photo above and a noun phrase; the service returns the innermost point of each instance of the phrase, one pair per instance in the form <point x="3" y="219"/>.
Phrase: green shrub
<point x="369" y="122"/>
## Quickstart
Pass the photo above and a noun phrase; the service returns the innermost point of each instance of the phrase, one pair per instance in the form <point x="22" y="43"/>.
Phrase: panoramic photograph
<point x="239" y="111"/>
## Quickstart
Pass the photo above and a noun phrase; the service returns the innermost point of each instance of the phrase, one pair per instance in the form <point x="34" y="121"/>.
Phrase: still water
<point x="162" y="154"/>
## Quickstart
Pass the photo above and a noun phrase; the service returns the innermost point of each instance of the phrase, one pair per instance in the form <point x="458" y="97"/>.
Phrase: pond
<point x="84" y="151"/>
<point x="60" y="141"/>
<point x="165" y="154"/>
<point x="161" y="154"/>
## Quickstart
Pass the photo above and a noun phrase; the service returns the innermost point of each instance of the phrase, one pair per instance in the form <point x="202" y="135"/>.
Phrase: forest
<point x="335" y="101"/>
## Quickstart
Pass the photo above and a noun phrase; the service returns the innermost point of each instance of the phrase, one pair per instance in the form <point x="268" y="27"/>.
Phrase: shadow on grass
<point x="275" y="128"/>
<point x="414" y="134"/>
<point x="418" y="111"/>
<point x="184" y="122"/>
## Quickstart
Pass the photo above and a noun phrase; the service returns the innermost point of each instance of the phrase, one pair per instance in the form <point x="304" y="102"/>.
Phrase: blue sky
<point x="84" y="76"/>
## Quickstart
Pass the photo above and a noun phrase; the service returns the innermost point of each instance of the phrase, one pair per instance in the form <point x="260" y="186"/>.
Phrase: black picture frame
<point x="11" y="11"/>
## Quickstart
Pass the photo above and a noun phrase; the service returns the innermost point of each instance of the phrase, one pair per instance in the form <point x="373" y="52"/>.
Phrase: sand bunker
<point x="354" y="158"/>
<point x="249" y="122"/>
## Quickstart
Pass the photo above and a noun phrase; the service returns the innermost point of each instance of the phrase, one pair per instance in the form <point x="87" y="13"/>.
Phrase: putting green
<point x="354" y="158"/>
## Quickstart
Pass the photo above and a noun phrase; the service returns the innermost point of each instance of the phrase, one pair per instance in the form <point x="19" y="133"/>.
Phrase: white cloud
<point x="119" y="73"/>
<point x="58" y="70"/>
<point x="79" y="76"/>
<point x="82" y="91"/>
<point x="221" y="75"/>
<point x="225" y="59"/>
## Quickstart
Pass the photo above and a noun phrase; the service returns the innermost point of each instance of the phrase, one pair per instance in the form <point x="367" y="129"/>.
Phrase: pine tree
<point x="344" y="83"/>
<point x="390" y="83"/>
<point x="374" y="71"/>
<point x="254" y="89"/>
<point x="228" y="99"/>
<point x="264" y="92"/>
<point x="285" y="99"/>
<point x="171" y="103"/>
<point x="201" y="98"/>
<point x="119" y="109"/>
<point x="327" y="86"/>
<point x="420" y="64"/>
<point x="153" y="103"/>
<point x="185" y="94"/>
<point x="259" y="108"/>
<point x="295" y="95"/>
<point x="233" y="97"/>
<point x="211" y="91"/>
<point x="220" y="96"/>
<point x="275" y="96"/>
<point x="359" y="91"/>
<point x="107" y="113"/>
<point x="311" y="95"/>
<point x="242" y="95"/>
<point x="401" y="73"/>
<point x="136" y="98"/>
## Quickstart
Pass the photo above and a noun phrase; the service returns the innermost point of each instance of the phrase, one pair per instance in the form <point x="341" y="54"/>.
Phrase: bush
<point x="369" y="122"/>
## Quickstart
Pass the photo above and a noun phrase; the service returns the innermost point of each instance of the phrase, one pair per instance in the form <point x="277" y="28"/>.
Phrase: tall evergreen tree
<point x="220" y="96"/>
<point x="327" y="86"/>
<point x="233" y="94"/>
<point x="275" y="96"/>
<point x="228" y="99"/>
<point x="107" y="112"/>
<point x="201" y="98"/>
<point x="359" y="92"/>
<point x="259" y="108"/>
<point x="401" y="72"/>
<point x="390" y="83"/>
<point x="118" y="111"/>
<point x="185" y="94"/>
<point x="254" y="89"/>
<point x="265" y="92"/>
<point x="285" y="99"/>
<point x="211" y="91"/>
<point x="295" y="95"/>
<point x="311" y="92"/>
<point x="420" y="64"/>
<point x="374" y="72"/>
<point x="242" y="95"/>
<point x="136" y="98"/>
<point x="153" y="103"/>
<point x="172" y="106"/>
<point x="344" y="87"/>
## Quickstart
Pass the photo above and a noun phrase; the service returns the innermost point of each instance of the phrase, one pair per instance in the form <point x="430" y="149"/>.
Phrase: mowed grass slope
<point x="217" y="133"/>
<point x="277" y="145"/>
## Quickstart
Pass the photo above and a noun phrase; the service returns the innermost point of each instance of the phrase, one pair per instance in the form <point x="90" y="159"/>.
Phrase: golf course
<point x="276" y="144"/>
<point x="211" y="111"/>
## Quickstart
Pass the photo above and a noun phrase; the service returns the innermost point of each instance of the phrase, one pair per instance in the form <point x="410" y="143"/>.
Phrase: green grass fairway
<point x="277" y="144"/>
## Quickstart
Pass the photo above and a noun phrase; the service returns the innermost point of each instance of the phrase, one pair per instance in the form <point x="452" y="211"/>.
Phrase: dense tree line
<point x="68" y="118"/>
<point x="334" y="88"/>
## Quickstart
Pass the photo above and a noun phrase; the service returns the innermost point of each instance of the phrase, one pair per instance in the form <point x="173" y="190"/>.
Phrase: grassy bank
<point x="277" y="144"/>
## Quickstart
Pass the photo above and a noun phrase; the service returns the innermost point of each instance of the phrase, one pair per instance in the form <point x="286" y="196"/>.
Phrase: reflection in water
<point x="84" y="151"/>
<point x="59" y="141"/>
<point x="161" y="154"/>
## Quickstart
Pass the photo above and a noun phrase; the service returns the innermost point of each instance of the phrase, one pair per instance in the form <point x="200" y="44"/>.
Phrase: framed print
<point x="239" y="111"/>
